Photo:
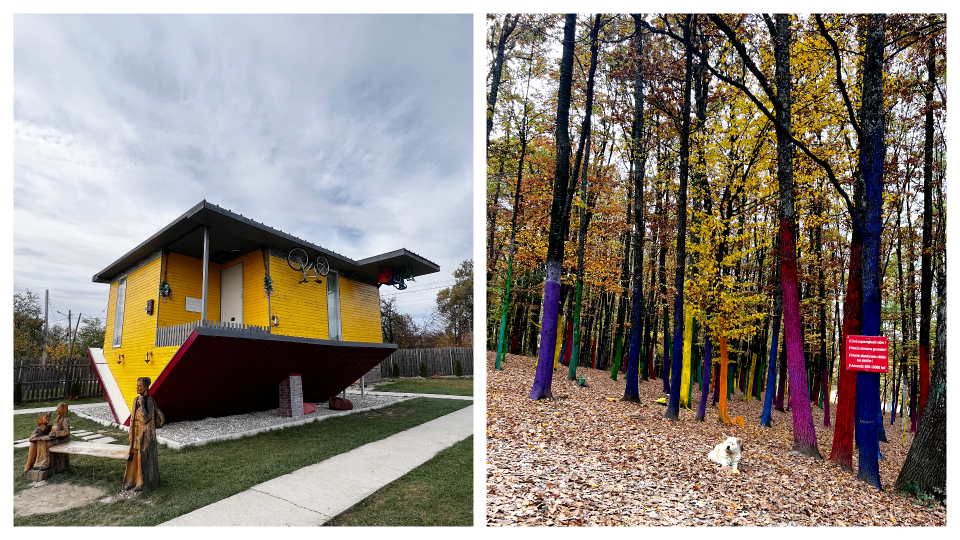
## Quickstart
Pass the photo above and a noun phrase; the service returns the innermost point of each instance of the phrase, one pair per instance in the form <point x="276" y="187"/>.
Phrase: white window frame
<point x="333" y="279"/>
<point x="118" y="312"/>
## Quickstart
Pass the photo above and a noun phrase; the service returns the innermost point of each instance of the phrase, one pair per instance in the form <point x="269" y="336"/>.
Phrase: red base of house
<point x="219" y="372"/>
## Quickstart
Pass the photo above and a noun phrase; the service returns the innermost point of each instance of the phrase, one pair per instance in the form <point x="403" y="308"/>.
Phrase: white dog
<point x="727" y="453"/>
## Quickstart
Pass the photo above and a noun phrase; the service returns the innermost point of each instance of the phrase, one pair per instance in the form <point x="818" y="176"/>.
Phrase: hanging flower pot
<point x="267" y="285"/>
<point x="165" y="291"/>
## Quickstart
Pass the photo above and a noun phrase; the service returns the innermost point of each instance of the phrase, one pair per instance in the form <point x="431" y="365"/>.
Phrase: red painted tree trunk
<point x="842" y="451"/>
<point x="804" y="435"/>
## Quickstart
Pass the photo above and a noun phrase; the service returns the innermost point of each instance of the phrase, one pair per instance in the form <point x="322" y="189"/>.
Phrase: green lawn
<point x="52" y="405"/>
<point x="437" y="493"/>
<point x="460" y="386"/>
<point x="196" y="477"/>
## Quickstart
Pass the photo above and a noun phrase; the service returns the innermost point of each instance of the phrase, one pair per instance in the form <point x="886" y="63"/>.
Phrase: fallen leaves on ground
<point x="582" y="459"/>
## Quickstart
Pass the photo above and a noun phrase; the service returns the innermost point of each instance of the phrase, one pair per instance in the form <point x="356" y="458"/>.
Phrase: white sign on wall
<point x="195" y="305"/>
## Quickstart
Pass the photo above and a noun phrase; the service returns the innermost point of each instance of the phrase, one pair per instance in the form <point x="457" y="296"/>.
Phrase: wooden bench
<point x="112" y="451"/>
<point x="60" y="458"/>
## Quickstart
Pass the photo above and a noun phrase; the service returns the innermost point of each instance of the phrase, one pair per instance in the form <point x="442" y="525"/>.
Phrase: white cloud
<point x="351" y="131"/>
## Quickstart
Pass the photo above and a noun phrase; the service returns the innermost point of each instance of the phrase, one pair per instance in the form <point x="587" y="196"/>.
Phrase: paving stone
<point x="92" y="436"/>
<point x="106" y="440"/>
<point x="21" y="444"/>
<point x="20" y="441"/>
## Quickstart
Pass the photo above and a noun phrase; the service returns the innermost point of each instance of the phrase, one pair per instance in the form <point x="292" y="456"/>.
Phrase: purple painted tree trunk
<point x="804" y="435"/>
<point x="543" y="380"/>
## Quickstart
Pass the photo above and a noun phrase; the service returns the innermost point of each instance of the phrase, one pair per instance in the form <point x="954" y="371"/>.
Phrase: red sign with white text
<point x="867" y="353"/>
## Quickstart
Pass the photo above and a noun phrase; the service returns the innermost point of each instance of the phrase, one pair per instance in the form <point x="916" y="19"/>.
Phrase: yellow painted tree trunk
<point x="753" y="366"/>
<point x="687" y="351"/>
<point x="556" y="353"/>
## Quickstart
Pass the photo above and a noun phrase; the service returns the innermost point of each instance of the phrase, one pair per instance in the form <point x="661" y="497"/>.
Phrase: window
<point x="118" y="317"/>
<point x="333" y="307"/>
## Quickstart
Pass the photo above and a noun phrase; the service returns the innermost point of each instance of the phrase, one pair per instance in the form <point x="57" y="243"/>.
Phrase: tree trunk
<point x="638" y="157"/>
<point x="543" y="381"/>
<point x="926" y="274"/>
<point x="505" y="31"/>
<point x="804" y="435"/>
<point x="925" y="469"/>
<point x="673" y="406"/>
<point x="871" y="163"/>
<point x="584" y="213"/>
<point x="766" y="417"/>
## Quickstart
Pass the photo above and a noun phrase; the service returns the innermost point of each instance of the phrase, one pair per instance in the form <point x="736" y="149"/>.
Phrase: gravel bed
<point x="179" y="435"/>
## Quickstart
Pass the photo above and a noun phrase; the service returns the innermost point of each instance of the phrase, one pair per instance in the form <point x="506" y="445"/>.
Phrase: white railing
<point x="174" y="336"/>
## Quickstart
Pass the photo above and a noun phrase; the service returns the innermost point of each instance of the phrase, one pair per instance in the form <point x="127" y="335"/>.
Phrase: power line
<point x="416" y="291"/>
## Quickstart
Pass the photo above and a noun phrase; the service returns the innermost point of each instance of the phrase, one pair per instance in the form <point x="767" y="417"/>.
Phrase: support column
<point x="206" y="271"/>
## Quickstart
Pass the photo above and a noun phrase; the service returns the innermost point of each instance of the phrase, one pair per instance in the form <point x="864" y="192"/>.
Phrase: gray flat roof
<point x="233" y="235"/>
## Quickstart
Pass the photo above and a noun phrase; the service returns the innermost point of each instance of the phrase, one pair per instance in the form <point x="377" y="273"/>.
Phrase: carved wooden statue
<point x="143" y="468"/>
<point x="60" y="433"/>
<point x="38" y="457"/>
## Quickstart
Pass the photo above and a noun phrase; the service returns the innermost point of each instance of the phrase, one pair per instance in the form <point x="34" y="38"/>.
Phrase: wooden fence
<point x="437" y="362"/>
<point x="174" y="336"/>
<point x="52" y="381"/>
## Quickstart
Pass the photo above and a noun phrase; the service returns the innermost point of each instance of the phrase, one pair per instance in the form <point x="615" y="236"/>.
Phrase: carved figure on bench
<point x="60" y="433"/>
<point x="143" y="468"/>
<point x="38" y="457"/>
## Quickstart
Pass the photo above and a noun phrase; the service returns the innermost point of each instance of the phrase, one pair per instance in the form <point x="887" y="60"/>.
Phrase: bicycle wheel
<point x="323" y="267"/>
<point x="298" y="260"/>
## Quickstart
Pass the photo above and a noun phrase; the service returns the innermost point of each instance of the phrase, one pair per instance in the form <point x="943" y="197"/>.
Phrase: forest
<point x="701" y="208"/>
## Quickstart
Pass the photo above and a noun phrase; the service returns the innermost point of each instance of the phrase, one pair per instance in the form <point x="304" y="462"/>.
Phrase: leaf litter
<point x="586" y="458"/>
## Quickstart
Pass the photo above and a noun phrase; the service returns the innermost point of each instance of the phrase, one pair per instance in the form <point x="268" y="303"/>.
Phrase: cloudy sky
<point x="351" y="131"/>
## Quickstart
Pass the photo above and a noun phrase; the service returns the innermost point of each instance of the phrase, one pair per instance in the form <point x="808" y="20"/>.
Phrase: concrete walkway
<point x="315" y="494"/>
<point x="54" y="408"/>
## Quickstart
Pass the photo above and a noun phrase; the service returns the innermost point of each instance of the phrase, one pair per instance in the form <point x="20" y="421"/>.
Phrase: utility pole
<point x="73" y="336"/>
<point x="46" y="327"/>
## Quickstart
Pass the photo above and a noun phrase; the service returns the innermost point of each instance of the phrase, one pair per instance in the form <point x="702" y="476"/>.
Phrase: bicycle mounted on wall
<point x="299" y="261"/>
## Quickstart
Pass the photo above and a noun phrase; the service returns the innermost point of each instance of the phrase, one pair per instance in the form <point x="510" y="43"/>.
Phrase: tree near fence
<point x="455" y="306"/>
<point x="28" y="336"/>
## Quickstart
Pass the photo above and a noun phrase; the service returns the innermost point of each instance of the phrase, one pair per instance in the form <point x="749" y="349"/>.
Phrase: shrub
<point x="396" y="369"/>
<point x="458" y="369"/>
<point x="75" y="388"/>
<point x="423" y="370"/>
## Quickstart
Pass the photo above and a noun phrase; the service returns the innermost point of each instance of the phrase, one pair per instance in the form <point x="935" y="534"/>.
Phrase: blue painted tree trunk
<point x="767" y="415"/>
<point x="871" y="165"/>
<point x="673" y="404"/>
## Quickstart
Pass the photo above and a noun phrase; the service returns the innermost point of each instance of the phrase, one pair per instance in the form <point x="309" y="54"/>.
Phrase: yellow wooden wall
<point x="185" y="276"/>
<point x="255" y="310"/>
<point x="301" y="307"/>
<point x="360" y="312"/>
<point x="139" y="331"/>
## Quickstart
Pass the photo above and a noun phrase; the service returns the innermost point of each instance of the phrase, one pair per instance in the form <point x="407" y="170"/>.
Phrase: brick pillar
<point x="291" y="396"/>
